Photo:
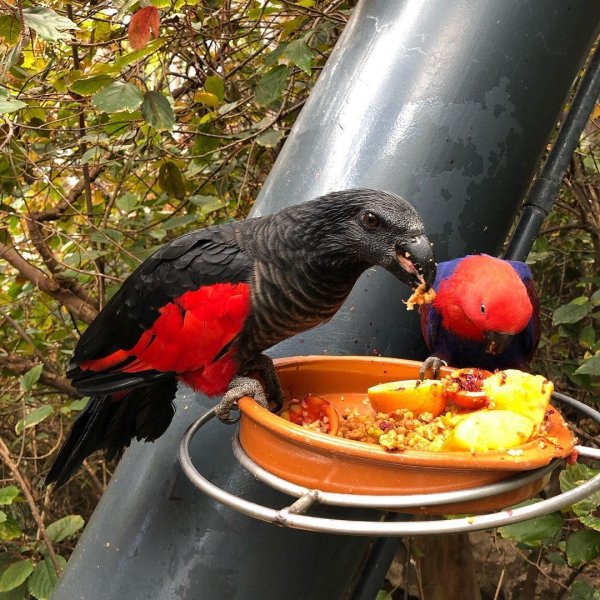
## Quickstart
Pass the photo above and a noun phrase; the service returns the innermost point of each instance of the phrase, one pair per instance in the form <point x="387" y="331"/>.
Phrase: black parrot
<point x="204" y="308"/>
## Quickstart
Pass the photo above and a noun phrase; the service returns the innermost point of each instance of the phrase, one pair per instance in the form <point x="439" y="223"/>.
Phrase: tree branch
<point x="37" y="239"/>
<point x="35" y="513"/>
<point x="57" y="211"/>
<point x="27" y="339"/>
<point x="81" y="309"/>
<point x="20" y="366"/>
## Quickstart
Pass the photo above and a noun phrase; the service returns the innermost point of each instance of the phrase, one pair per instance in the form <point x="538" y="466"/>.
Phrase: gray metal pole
<point x="543" y="193"/>
<point x="447" y="102"/>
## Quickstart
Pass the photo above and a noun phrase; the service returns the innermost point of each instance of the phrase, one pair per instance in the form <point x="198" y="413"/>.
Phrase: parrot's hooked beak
<point x="496" y="342"/>
<point x="417" y="261"/>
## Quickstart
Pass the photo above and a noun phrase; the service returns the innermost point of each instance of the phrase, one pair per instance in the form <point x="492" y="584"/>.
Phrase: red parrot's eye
<point x="371" y="220"/>
<point x="483" y="309"/>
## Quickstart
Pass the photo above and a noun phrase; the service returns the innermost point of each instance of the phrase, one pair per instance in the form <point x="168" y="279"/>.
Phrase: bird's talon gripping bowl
<point x="238" y="388"/>
<point x="434" y="364"/>
<point x="224" y="414"/>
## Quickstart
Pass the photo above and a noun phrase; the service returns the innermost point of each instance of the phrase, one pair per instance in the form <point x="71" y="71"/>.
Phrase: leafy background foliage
<point x="123" y="125"/>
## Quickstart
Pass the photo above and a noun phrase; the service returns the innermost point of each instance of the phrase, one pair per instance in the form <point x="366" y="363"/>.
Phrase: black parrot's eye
<point x="371" y="220"/>
<point x="482" y="309"/>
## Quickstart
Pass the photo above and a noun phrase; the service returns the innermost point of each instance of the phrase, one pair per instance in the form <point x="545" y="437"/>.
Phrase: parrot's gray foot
<point x="264" y="365"/>
<point x="238" y="388"/>
<point x="434" y="363"/>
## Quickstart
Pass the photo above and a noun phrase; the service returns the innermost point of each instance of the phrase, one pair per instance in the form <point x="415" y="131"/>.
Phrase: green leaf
<point x="571" y="312"/>
<point x="383" y="595"/>
<point x="13" y="56"/>
<point x="19" y="593"/>
<point x="119" y="123"/>
<point x="112" y="234"/>
<point x="117" y="97"/>
<point x="207" y="203"/>
<point x="90" y="85"/>
<point x="8" y="494"/>
<point x="587" y="336"/>
<point x="214" y="85"/>
<point x="583" y="547"/>
<point x="127" y="202"/>
<point x="15" y="575"/>
<point x="43" y="579"/>
<point x="582" y="590"/>
<point x="555" y="558"/>
<point x="589" y="367"/>
<point x="299" y="54"/>
<point x="270" y="138"/>
<point x="31" y="377"/>
<point x="595" y="298"/>
<point x="206" y="98"/>
<point x="273" y="57"/>
<point x="92" y="155"/>
<point x="9" y="103"/>
<point x="586" y="509"/>
<point x="10" y="29"/>
<point x="131" y="57"/>
<point x="534" y="532"/>
<point x="64" y="528"/>
<point x="207" y="143"/>
<point x="199" y="200"/>
<point x="170" y="180"/>
<point x="10" y="530"/>
<point x="48" y="24"/>
<point x="536" y="257"/>
<point x="262" y="12"/>
<point x="79" y="404"/>
<point x="271" y="85"/>
<point x="157" y="111"/>
<point x="180" y="221"/>
<point x="75" y="405"/>
<point x="37" y="415"/>
<point x="3" y="516"/>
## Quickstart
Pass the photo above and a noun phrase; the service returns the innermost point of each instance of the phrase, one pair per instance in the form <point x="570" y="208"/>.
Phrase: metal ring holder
<point x="293" y="515"/>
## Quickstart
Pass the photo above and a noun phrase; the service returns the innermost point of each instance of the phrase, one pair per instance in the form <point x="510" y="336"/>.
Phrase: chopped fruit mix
<point x="469" y="410"/>
<point x="464" y="387"/>
<point x="420" y="296"/>
<point x="314" y="412"/>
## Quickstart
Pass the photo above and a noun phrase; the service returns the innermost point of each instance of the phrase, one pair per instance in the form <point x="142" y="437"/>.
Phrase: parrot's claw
<point x="265" y="366"/>
<point x="238" y="388"/>
<point x="434" y="363"/>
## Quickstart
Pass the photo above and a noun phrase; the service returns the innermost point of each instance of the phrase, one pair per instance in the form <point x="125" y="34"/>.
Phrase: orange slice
<point x="413" y="394"/>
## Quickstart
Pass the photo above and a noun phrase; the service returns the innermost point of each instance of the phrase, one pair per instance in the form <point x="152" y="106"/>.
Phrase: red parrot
<point x="485" y="314"/>
<point x="204" y="308"/>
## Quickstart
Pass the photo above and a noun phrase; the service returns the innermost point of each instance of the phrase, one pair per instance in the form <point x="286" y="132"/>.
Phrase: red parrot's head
<point x="484" y="300"/>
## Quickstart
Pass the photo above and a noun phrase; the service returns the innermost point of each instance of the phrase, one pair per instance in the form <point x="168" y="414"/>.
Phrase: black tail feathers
<point x="110" y="422"/>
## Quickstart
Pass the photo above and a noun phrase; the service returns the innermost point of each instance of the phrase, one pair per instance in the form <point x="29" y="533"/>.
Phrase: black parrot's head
<point x="378" y="228"/>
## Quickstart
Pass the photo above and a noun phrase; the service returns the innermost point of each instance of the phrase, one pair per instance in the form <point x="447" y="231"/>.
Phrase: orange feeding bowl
<point x="317" y="460"/>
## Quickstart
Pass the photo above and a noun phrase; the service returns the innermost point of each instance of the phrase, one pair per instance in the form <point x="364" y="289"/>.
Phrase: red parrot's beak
<point x="497" y="342"/>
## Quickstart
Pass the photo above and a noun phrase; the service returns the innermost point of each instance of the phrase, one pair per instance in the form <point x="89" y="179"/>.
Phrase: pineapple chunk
<point x="490" y="430"/>
<point x="519" y="392"/>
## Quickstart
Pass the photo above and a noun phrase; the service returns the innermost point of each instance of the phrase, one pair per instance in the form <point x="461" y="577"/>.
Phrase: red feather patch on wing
<point x="188" y="334"/>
